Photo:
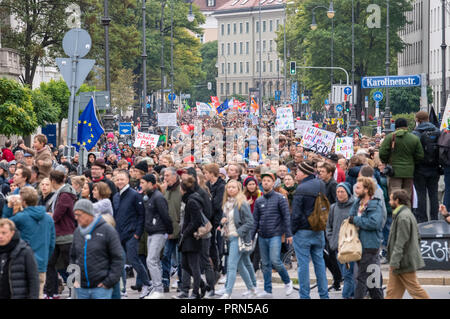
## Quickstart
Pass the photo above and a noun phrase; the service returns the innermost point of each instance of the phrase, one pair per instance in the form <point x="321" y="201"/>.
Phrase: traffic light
<point x="347" y="106"/>
<point x="293" y="66"/>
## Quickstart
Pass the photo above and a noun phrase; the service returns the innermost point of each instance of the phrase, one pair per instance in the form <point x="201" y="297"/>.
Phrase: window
<point x="240" y="87"/>
<point x="246" y="87"/>
<point x="228" y="49"/>
<point x="270" y="45"/>
<point x="221" y="88"/>
<point x="278" y="65"/>
<point x="228" y="68"/>
<point x="223" y="68"/>
<point x="257" y="46"/>
<point x="247" y="45"/>
<point x="211" y="3"/>
<point x="270" y="66"/>
<point x="257" y="66"/>
<point x="234" y="67"/>
<point x="257" y="26"/>
<point x="271" y="26"/>
<point x="241" y="68"/>
<point x="241" y="47"/>
<point x="264" y="46"/>
<point x="264" y="67"/>
<point x="264" y="26"/>
<point x="223" y="48"/>
<point x="247" y="67"/>
<point x="240" y="28"/>
<point x="228" y="88"/>
<point x="234" y="28"/>
<point x="234" y="87"/>
<point x="228" y="28"/>
<point x="222" y="28"/>
<point x="234" y="48"/>
<point x="278" y="23"/>
<point x="247" y="27"/>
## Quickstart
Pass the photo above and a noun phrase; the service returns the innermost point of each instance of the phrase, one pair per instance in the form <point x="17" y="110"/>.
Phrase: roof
<point x="203" y="4"/>
<point x="249" y="5"/>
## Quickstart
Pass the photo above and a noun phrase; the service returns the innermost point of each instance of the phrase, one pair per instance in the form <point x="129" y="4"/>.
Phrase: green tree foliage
<point x="38" y="34"/>
<point x="404" y="99"/>
<point x="17" y="116"/>
<point x="209" y="73"/>
<point x="60" y="94"/>
<point x="123" y="93"/>
<point x="410" y="117"/>
<point x="46" y="110"/>
<point x="313" y="48"/>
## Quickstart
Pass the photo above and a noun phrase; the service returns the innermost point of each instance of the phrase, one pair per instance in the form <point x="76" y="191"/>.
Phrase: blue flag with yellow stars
<point x="89" y="129"/>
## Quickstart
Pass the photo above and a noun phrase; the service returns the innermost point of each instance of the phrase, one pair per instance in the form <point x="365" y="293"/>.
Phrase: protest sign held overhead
<point x="167" y="119"/>
<point x="285" y="119"/>
<point x="143" y="139"/>
<point x="301" y="126"/>
<point x="344" y="146"/>
<point x="318" y="140"/>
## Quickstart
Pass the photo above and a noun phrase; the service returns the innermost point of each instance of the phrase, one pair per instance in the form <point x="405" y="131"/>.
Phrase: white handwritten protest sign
<point x="203" y="109"/>
<point x="344" y="146"/>
<point x="301" y="126"/>
<point x="143" y="139"/>
<point x="317" y="140"/>
<point x="285" y="119"/>
<point x="167" y="119"/>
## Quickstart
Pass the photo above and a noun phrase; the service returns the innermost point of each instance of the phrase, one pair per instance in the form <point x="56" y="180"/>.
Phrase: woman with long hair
<point x="101" y="192"/>
<point x="237" y="225"/>
<point x="289" y="186"/>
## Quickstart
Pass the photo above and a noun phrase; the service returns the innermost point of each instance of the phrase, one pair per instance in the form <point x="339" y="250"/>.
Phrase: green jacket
<point x="407" y="152"/>
<point x="173" y="197"/>
<point x="403" y="248"/>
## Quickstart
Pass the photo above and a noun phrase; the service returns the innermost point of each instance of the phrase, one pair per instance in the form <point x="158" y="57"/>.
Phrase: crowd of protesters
<point x="140" y="212"/>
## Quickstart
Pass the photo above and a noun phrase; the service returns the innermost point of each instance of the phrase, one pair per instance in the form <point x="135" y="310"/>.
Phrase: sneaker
<point x="202" y="290"/>
<point x="264" y="294"/>
<point x="251" y="293"/>
<point x="166" y="289"/>
<point x="210" y="294"/>
<point x="221" y="292"/>
<point x="194" y="296"/>
<point x="146" y="290"/>
<point x="383" y="260"/>
<point x="223" y="280"/>
<point x="225" y="296"/>
<point x="289" y="288"/>
<point x="181" y="295"/>
<point x="123" y="294"/>
<point x="155" y="295"/>
<point x="56" y="297"/>
<point x="174" y="285"/>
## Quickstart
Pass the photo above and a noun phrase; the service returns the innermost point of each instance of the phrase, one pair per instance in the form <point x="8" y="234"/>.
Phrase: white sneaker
<point x="174" y="285"/>
<point x="223" y="280"/>
<point x="251" y="293"/>
<point x="289" y="288"/>
<point x="264" y="294"/>
<point x="123" y="294"/>
<point x="225" y="296"/>
<point x="221" y="292"/>
<point x="155" y="295"/>
<point x="146" y="290"/>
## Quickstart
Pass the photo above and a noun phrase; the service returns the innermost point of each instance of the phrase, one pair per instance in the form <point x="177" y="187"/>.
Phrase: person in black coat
<point x="189" y="246"/>
<point x="19" y="278"/>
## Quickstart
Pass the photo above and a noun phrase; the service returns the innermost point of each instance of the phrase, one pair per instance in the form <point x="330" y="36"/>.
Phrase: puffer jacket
<point x="370" y="223"/>
<point x="338" y="212"/>
<point x="407" y="153"/>
<point x="272" y="216"/>
<point x="157" y="219"/>
<point x="422" y="168"/>
<point x="37" y="229"/>
<point x="304" y="201"/>
<point x="99" y="255"/>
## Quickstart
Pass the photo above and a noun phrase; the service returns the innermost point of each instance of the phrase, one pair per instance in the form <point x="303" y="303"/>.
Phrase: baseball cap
<point x="269" y="174"/>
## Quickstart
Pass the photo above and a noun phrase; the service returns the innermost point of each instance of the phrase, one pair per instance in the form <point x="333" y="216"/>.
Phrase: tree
<point x="122" y="91"/>
<point x="38" y="34"/>
<point x="312" y="48"/>
<point x="17" y="116"/>
<point x="209" y="73"/>
<point x="46" y="110"/>
<point x="404" y="99"/>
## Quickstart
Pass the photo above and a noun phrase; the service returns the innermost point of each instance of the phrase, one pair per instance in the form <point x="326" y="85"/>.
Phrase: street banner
<point x="285" y="119"/>
<point x="445" y="124"/>
<point x="318" y="140"/>
<point x="143" y="139"/>
<point x="344" y="146"/>
<point x="167" y="119"/>
<point x="301" y="126"/>
<point x="203" y="109"/>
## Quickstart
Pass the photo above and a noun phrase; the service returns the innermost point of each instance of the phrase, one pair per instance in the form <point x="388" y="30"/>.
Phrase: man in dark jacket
<point x="272" y="220"/>
<point x="427" y="172"/>
<point x="129" y="215"/>
<point x="19" y="277"/>
<point x="158" y="226"/>
<point x="98" y="175"/>
<point x="97" y="251"/>
<point x="308" y="243"/>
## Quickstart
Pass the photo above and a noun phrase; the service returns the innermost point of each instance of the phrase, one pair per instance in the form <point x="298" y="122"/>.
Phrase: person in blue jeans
<point x="237" y="224"/>
<point x="272" y="220"/>
<point x="308" y="243"/>
<point x="338" y="212"/>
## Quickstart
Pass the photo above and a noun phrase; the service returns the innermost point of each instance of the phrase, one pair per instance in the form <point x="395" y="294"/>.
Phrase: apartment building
<point x="208" y="7"/>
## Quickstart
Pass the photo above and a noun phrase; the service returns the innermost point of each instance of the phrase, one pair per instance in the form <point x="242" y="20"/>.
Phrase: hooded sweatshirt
<point x="37" y="230"/>
<point x="338" y="212"/>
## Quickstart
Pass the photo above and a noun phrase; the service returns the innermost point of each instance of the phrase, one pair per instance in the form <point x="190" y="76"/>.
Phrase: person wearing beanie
<point x="140" y="169"/>
<point x="308" y="243"/>
<point x="338" y="212"/>
<point x="110" y="145"/>
<point x="96" y="249"/>
<point x="403" y="150"/>
<point x="158" y="226"/>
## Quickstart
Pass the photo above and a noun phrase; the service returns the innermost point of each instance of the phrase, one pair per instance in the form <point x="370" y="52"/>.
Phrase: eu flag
<point x="89" y="129"/>
<point x="223" y="107"/>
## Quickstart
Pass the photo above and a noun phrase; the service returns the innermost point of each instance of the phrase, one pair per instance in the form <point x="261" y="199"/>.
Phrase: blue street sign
<point x="294" y="92"/>
<point x="377" y="96"/>
<point x="339" y="108"/>
<point x="348" y="90"/>
<point x="172" y="96"/>
<point x="327" y="102"/>
<point x="390" y="81"/>
<point x="125" y="129"/>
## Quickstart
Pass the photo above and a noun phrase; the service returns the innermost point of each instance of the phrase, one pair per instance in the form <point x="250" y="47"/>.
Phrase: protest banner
<point x="203" y="109"/>
<point x="285" y="119"/>
<point x="143" y="139"/>
<point x="301" y="126"/>
<point x="344" y="146"/>
<point x="167" y="119"/>
<point x="445" y="124"/>
<point x="317" y="140"/>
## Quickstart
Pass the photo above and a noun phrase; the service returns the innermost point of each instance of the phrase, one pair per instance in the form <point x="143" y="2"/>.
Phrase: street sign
<point x="277" y="95"/>
<point x="125" y="129"/>
<point x="84" y="66"/>
<point x="209" y="86"/>
<point x="77" y="43"/>
<point x="172" y="97"/>
<point x="390" y="81"/>
<point x="101" y="100"/>
<point x="377" y="96"/>
<point x="338" y="96"/>
<point x="185" y="96"/>
<point x="366" y="102"/>
<point x="348" y="90"/>
<point x="294" y="92"/>
<point x="339" y="108"/>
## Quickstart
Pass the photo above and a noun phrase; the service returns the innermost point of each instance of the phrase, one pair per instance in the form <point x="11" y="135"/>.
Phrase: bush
<point x="410" y="117"/>
<point x="367" y="131"/>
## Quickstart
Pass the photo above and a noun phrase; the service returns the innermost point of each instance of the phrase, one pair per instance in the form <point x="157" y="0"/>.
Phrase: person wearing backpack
<point x="427" y="172"/>
<point x="308" y="244"/>
<point x="444" y="159"/>
<point x="366" y="214"/>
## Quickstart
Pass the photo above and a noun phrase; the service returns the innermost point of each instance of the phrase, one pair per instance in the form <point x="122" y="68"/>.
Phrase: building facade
<point x="241" y="24"/>
<point x="208" y="7"/>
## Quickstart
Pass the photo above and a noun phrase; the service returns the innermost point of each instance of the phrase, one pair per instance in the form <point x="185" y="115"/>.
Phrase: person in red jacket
<point x="339" y="174"/>
<point x="7" y="152"/>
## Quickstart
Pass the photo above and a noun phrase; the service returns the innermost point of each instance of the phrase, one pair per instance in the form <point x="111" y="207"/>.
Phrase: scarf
<point x="86" y="230"/>
<point x="12" y="244"/>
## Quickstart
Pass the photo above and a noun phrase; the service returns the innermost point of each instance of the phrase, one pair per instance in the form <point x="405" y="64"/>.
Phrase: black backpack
<point x="444" y="148"/>
<point x="429" y="140"/>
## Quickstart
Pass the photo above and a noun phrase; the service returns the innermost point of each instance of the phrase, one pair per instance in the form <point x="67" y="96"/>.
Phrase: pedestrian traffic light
<point x="347" y="106"/>
<point x="293" y="66"/>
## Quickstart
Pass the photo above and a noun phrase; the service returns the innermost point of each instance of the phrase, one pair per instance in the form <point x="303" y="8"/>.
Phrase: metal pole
<point x="332" y="51"/>
<point x="144" y="68"/>
<point x="162" y="55"/>
<point x="260" y="62"/>
<point x="171" y="56"/>
<point x="387" y="112"/>
<point x="443" y="47"/>
<point x="285" y="63"/>
<point x="226" y="78"/>
<point x="108" y="119"/>
<point x="352" y="107"/>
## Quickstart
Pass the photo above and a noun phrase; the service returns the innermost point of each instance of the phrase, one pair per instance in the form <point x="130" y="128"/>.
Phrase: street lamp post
<point x="226" y="77"/>
<point x="144" y="118"/>
<point x="443" y="47"/>
<point x="352" y="106"/>
<point x="387" y="111"/>
<point x="108" y="117"/>
<point x="171" y="56"/>
<point x="260" y="61"/>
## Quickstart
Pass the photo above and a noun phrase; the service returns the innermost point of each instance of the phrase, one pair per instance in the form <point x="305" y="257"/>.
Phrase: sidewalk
<point x="426" y="277"/>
